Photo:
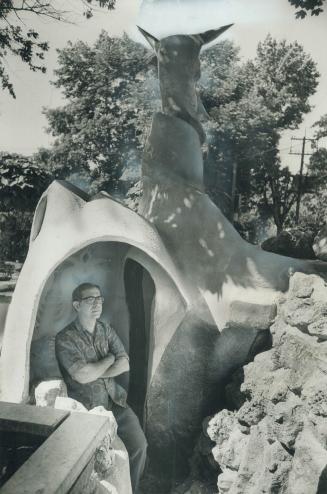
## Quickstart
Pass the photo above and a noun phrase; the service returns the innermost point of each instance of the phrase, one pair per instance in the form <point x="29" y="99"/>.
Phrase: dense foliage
<point x="21" y="184"/>
<point x="250" y="105"/>
<point x="314" y="205"/>
<point x="111" y="92"/>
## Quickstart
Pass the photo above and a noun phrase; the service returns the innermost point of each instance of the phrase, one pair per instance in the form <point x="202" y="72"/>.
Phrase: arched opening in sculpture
<point x="129" y="280"/>
<point x="100" y="263"/>
<point x="140" y="292"/>
<point x="126" y="306"/>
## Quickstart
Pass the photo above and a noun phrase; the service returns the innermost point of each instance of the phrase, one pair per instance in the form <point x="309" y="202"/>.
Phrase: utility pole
<point x="234" y="215"/>
<point x="302" y="154"/>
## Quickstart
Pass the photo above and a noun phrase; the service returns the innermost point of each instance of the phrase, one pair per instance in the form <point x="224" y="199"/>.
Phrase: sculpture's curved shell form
<point x="73" y="240"/>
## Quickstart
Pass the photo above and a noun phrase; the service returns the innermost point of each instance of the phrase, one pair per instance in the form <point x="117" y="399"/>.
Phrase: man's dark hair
<point x="77" y="294"/>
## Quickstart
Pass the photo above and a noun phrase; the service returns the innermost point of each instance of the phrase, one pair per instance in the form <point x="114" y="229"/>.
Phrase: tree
<point x="313" y="211"/>
<point x="317" y="168"/>
<point x="112" y="92"/>
<point x="314" y="7"/>
<point x="314" y="205"/>
<point x="250" y="105"/>
<point x="239" y="126"/>
<point x="19" y="40"/>
<point x="278" y="194"/>
<point x="100" y="131"/>
<point x="21" y="184"/>
<point x="321" y="127"/>
<point x="285" y="77"/>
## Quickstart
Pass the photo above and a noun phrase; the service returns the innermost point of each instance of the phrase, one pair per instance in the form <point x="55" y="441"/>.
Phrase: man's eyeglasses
<point x="92" y="300"/>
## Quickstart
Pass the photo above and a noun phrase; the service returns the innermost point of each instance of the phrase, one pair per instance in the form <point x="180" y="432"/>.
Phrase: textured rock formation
<point x="277" y="441"/>
<point x="320" y="244"/>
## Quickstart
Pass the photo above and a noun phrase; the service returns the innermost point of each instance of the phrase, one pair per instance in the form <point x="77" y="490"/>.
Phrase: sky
<point x="22" y="124"/>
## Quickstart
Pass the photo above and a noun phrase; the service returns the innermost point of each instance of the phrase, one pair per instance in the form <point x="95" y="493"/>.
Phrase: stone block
<point x="301" y="285"/>
<point x="309" y="465"/>
<point x="319" y="328"/>
<point x="65" y="403"/>
<point x="47" y="392"/>
<point x="106" y="487"/>
<point x="118" y="475"/>
<point x="226" y="480"/>
<point x="100" y="410"/>
<point x="225" y="431"/>
<point x="320" y="244"/>
<point x="254" y="316"/>
<point x="314" y="392"/>
<point x="111" y="462"/>
<point x="264" y="463"/>
<point x="299" y="312"/>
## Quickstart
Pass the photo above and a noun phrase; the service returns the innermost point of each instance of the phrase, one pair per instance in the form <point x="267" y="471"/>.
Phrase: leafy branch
<point x="314" y="7"/>
<point x="24" y="42"/>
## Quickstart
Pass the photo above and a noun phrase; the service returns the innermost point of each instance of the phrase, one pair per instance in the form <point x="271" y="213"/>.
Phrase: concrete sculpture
<point x="236" y="283"/>
<point x="188" y="296"/>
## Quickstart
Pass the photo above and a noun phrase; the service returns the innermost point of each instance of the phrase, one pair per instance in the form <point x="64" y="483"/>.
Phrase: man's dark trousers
<point x="131" y="433"/>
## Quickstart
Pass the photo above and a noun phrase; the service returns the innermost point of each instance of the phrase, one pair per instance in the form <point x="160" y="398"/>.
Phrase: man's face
<point x="90" y="306"/>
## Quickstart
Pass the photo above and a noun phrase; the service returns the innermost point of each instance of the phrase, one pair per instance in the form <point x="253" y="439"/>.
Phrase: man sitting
<point x="90" y="356"/>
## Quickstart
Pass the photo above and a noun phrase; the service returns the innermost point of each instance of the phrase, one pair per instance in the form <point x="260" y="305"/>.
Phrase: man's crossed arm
<point x="109" y="366"/>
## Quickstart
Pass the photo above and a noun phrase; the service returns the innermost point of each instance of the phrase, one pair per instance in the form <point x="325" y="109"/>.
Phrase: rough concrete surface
<point x="111" y="473"/>
<point x="277" y="441"/>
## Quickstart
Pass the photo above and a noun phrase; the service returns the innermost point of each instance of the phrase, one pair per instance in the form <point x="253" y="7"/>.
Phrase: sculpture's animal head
<point x="179" y="70"/>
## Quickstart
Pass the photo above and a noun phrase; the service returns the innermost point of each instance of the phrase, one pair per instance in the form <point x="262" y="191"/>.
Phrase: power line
<point x="303" y="139"/>
<point x="302" y="154"/>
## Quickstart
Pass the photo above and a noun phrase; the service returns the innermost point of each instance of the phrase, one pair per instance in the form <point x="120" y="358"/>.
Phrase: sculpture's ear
<point x="154" y="42"/>
<point x="209" y="36"/>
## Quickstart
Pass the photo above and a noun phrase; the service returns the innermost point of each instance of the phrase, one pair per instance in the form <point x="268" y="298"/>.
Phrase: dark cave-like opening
<point x="140" y="292"/>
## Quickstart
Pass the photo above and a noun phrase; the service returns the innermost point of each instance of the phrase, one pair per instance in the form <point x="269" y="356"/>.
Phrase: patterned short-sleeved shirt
<point x="76" y="347"/>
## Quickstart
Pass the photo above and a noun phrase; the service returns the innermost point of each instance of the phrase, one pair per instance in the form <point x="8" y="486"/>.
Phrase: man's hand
<point x="120" y="366"/>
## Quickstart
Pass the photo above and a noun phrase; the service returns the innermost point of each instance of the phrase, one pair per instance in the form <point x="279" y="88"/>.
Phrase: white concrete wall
<point x="99" y="263"/>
